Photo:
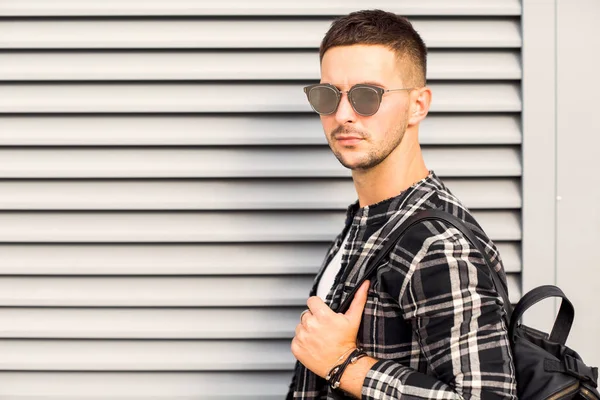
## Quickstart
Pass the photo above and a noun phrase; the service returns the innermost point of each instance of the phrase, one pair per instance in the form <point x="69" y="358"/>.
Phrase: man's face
<point x="361" y="142"/>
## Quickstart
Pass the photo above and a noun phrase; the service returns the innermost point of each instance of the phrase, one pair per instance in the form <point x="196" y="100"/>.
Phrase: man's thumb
<point x="355" y="311"/>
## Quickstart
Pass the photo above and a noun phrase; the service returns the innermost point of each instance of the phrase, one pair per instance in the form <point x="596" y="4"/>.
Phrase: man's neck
<point x="400" y="170"/>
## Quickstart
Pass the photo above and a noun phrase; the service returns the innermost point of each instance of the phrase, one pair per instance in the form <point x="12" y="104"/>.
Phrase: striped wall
<point x="166" y="194"/>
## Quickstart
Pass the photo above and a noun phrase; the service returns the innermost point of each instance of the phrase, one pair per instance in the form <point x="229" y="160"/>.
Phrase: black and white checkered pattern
<point x="433" y="317"/>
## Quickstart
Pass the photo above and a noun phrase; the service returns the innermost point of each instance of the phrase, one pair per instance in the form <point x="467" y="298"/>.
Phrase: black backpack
<point x="545" y="368"/>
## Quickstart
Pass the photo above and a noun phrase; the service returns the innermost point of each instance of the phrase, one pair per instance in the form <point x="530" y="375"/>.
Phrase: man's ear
<point x="419" y="105"/>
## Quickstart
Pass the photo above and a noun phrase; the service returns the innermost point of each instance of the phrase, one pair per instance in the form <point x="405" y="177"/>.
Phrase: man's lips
<point x="348" y="140"/>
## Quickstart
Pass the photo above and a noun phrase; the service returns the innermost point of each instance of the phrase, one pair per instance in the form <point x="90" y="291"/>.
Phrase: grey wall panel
<point x="540" y="150"/>
<point x="180" y="259"/>
<point x="257" y="7"/>
<point x="577" y="185"/>
<point x="153" y="155"/>
<point x="235" y="33"/>
<point x="225" y="97"/>
<point x="211" y="65"/>
<point x="243" y="226"/>
<point x="232" y="129"/>
<point x="234" y="194"/>
<point x="234" y="162"/>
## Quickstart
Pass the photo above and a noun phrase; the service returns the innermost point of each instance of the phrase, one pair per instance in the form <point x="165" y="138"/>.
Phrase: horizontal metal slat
<point x="250" y="291"/>
<point x="225" y="97"/>
<point x="260" y="8"/>
<point x="115" y="355"/>
<point x="161" y="259"/>
<point x="73" y="385"/>
<point x="235" y="162"/>
<point x="304" y="129"/>
<point x="251" y="194"/>
<point x="210" y="227"/>
<point x="119" y="355"/>
<point x="150" y="323"/>
<point x="70" y="66"/>
<point x="155" y="291"/>
<point x="235" y="33"/>
<point x="180" y="259"/>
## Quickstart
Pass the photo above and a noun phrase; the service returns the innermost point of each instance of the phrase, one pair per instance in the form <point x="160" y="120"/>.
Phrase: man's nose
<point x="345" y="113"/>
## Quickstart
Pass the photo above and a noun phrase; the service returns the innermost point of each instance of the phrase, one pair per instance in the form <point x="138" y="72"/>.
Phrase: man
<point x="430" y="320"/>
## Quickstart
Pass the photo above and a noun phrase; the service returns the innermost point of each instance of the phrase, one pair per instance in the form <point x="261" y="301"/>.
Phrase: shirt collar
<point x="382" y="211"/>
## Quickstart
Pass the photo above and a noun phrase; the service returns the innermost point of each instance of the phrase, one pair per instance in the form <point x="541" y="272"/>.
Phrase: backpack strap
<point x="564" y="319"/>
<point x="574" y="367"/>
<point x="398" y="233"/>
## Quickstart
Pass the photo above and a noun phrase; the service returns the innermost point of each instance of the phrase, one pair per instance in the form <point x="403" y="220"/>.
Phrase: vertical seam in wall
<point x="523" y="146"/>
<point x="556" y="193"/>
<point x="523" y="169"/>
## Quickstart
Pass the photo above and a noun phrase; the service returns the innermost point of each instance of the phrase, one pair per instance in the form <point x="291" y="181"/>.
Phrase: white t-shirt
<point x="331" y="271"/>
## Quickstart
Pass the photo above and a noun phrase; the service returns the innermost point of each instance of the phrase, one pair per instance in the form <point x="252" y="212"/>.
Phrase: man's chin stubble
<point x="362" y="165"/>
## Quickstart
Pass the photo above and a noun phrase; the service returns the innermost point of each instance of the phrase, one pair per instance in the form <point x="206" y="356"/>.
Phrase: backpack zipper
<point x="564" y="392"/>
<point x="587" y="394"/>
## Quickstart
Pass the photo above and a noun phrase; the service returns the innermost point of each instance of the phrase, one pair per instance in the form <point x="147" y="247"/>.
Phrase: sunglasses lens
<point x="323" y="99"/>
<point x="364" y="100"/>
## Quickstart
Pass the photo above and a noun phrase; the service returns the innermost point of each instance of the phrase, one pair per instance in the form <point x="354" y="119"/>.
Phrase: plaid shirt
<point x="433" y="318"/>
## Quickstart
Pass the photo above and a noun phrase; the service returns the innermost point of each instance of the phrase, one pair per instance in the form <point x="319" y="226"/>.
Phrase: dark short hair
<point x="377" y="27"/>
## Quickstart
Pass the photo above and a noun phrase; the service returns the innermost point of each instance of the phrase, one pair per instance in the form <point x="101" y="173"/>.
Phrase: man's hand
<point x="322" y="336"/>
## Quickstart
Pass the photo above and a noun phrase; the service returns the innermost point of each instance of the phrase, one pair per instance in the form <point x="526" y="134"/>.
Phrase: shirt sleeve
<point x="450" y="301"/>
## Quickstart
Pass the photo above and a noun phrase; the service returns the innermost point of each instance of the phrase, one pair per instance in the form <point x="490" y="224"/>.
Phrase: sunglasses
<point x="365" y="99"/>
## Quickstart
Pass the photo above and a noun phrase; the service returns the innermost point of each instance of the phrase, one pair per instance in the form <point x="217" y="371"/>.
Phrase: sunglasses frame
<point x="380" y="92"/>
